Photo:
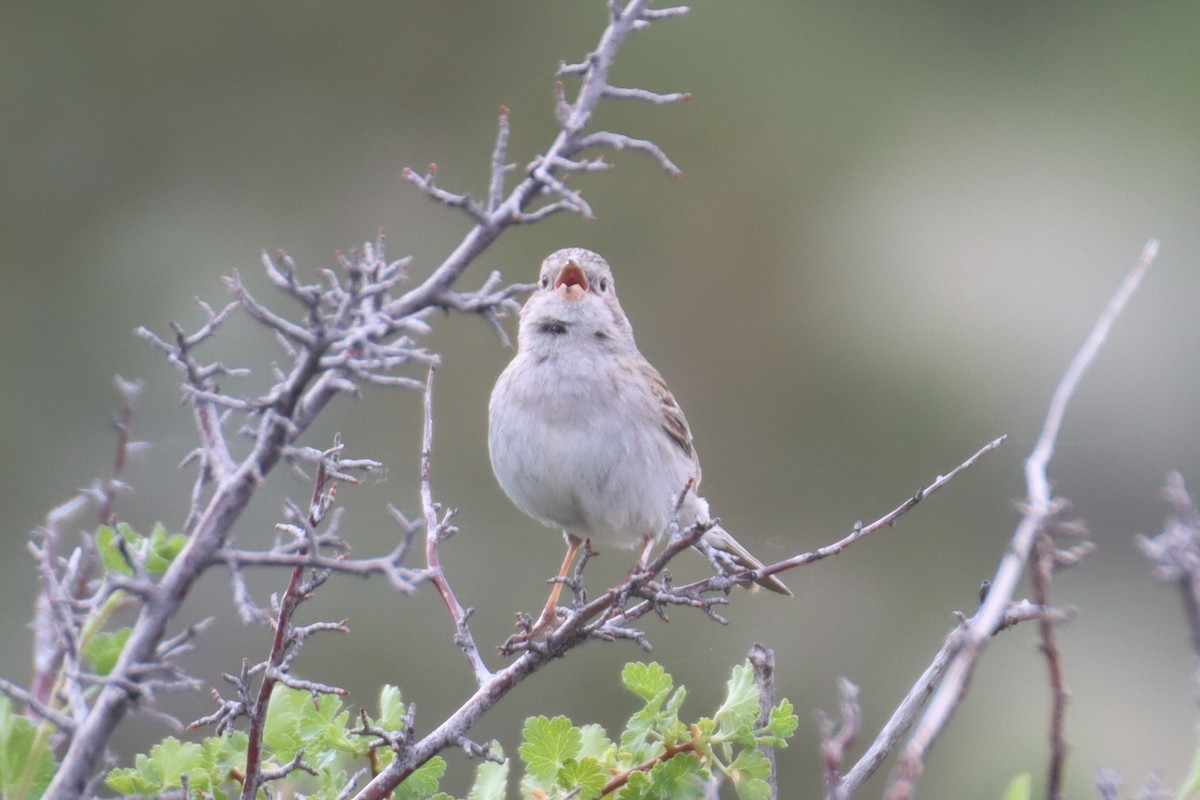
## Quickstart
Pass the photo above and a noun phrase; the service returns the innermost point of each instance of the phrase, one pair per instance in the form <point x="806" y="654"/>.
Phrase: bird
<point x="583" y="433"/>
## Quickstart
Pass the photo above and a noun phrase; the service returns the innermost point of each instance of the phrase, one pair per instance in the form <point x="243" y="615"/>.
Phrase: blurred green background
<point x="898" y="223"/>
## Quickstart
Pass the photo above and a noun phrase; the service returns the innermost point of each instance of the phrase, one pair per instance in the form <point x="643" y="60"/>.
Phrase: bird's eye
<point x="545" y="281"/>
<point x="604" y="284"/>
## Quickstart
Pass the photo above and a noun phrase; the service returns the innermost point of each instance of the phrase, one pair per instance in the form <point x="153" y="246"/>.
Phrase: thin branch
<point x="1038" y="508"/>
<point x="886" y="521"/>
<point x="905" y="715"/>
<point x="574" y="118"/>
<point x="762" y="659"/>
<point x="435" y="532"/>
<point x="837" y="739"/>
<point x="1041" y="569"/>
<point x="60" y="721"/>
<point x="500" y="165"/>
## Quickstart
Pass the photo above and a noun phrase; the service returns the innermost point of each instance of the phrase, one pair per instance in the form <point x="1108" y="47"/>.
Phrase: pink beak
<point x="571" y="283"/>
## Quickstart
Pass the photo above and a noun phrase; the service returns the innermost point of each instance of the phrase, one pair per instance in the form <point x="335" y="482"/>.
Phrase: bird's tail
<point x="722" y="540"/>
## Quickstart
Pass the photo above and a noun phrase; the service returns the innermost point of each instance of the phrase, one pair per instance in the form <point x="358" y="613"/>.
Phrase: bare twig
<point x="1041" y="568"/>
<point x="837" y="739"/>
<point x="286" y="638"/>
<point x="886" y="521"/>
<point x="905" y="715"/>
<point x="1038" y="509"/>
<point x="435" y="531"/>
<point x="541" y="179"/>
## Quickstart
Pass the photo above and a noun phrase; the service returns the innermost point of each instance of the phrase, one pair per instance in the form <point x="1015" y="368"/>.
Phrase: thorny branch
<point x="1038" y="509"/>
<point x="359" y="324"/>
<point x="288" y="638"/>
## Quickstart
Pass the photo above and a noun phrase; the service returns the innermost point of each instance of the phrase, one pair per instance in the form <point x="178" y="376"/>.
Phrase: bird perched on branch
<point x="583" y="433"/>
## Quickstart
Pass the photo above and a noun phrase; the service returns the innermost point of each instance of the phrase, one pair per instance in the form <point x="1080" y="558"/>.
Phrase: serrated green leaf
<point x="783" y="720"/>
<point x="24" y="767"/>
<point x="584" y="774"/>
<point x="636" y="737"/>
<point x="285" y="715"/>
<point x="1020" y="788"/>
<point x="594" y="742"/>
<point x="173" y="758"/>
<point x="391" y="709"/>
<point x="423" y="781"/>
<point x="749" y="773"/>
<point x="110" y="556"/>
<point x="674" y="732"/>
<point x="646" y="680"/>
<point x="679" y="777"/>
<point x="491" y="778"/>
<point x="676" y="701"/>
<point x="128" y="780"/>
<point x="548" y="743"/>
<point x="105" y="648"/>
<point x="323" y="729"/>
<point x="163" y="548"/>
<point x="736" y="716"/>
<point x="226" y="753"/>
<point x="638" y="787"/>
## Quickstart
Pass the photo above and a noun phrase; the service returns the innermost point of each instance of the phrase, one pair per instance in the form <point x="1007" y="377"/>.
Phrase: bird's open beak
<point x="571" y="283"/>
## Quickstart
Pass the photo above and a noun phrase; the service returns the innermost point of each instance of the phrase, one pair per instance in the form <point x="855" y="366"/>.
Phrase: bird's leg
<point x="573" y="543"/>
<point x="546" y="620"/>
<point x="644" y="553"/>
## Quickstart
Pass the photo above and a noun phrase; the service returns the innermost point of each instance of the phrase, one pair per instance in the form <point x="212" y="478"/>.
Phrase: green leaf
<point x="736" y="716"/>
<point x="548" y="743"/>
<point x="1020" y="788"/>
<point x="163" y="548"/>
<point x="128" y="780"/>
<point x="423" y="781"/>
<point x="676" y="701"/>
<point x="652" y="683"/>
<point x="781" y="725"/>
<point x="681" y="777"/>
<point x="285" y="715"/>
<point x="105" y="648"/>
<point x="391" y="710"/>
<point x="584" y="774"/>
<point x="749" y="773"/>
<point x="175" y="758"/>
<point x="594" y="742"/>
<point x="639" y="787"/>
<point x="106" y="544"/>
<point x="491" y="778"/>
<point x="25" y="767"/>
<point x="646" y="680"/>
<point x="226" y="753"/>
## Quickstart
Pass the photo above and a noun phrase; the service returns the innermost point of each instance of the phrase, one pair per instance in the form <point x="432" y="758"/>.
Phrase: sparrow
<point x="583" y="433"/>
